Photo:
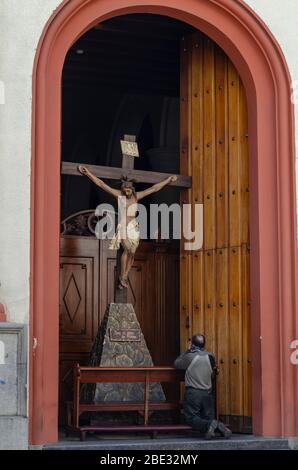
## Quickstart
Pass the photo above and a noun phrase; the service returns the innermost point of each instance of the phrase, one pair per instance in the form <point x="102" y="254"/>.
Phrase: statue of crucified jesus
<point x="127" y="232"/>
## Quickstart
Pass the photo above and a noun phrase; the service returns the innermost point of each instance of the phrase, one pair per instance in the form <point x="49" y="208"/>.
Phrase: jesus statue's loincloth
<point x="128" y="237"/>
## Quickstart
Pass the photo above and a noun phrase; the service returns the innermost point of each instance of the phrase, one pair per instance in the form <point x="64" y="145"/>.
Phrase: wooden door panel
<point x="165" y="315"/>
<point x="214" y="281"/>
<point x="244" y="175"/>
<point x="198" y="317"/>
<point x="234" y="157"/>
<point x="247" y="372"/>
<point x="235" y="331"/>
<point x="209" y="143"/>
<point x="186" y="316"/>
<point x="79" y="318"/>
<point x="222" y="328"/>
<point x="76" y="275"/>
<point x="210" y="298"/>
<point x="66" y="363"/>
<point x="222" y="160"/>
<point x="197" y="130"/>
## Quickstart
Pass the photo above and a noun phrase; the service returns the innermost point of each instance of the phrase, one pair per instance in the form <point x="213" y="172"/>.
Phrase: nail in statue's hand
<point x="83" y="170"/>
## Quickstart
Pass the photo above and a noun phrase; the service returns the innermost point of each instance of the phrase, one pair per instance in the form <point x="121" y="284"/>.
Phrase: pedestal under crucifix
<point x="126" y="238"/>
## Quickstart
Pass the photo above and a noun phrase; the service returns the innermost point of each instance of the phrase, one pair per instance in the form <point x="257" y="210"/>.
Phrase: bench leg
<point x="82" y="435"/>
<point x="154" y="435"/>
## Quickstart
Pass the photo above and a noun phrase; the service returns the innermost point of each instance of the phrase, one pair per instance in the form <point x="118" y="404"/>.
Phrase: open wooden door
<point x="214" y="281"/>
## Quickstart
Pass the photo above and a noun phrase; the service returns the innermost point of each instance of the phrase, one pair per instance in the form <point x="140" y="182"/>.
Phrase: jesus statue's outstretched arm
<point x="84" y="171"/>
<point x="156" y="187"/>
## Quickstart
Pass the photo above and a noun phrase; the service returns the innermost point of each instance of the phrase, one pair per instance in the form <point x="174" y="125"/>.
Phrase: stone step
<point x="238" y="442"/>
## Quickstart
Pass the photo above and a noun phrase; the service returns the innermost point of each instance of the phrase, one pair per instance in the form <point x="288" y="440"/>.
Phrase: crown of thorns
<point x="126" y="182"/>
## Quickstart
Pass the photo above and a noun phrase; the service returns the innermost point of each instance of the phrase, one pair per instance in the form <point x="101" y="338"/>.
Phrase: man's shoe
<point x="211" y="431"/>
<point x="224" y="431"/>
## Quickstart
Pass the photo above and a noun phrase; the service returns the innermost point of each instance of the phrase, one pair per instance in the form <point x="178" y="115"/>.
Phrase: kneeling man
<point x="198" y="402"/>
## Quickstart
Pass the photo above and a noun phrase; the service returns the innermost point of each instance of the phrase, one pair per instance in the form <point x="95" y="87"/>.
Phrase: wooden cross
<point x="129" y="152"/>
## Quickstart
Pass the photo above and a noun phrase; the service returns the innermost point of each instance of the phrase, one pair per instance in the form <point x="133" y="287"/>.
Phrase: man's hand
<point x="83" y="170"/>
<point x="156" y="187"/>
<point x="172" y="178"/>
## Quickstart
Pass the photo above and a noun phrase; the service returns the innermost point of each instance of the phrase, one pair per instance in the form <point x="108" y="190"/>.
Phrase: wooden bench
<point x="146" y="375"/>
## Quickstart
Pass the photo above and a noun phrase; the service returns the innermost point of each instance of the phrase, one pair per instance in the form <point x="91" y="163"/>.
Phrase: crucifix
<point x="126" y="238"/>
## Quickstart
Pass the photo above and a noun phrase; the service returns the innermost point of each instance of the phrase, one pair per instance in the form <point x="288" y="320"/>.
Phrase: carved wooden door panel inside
<point x="79" y="317"/>
<point x="214" y="281"/>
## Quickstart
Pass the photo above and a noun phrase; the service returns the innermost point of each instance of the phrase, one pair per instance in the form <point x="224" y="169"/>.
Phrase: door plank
<point x="209" y="144"/>
<point x="222" y="161"/>
<point x="235" y="328"/>
<point x="210" y="298"/>
<point x="222" y="328"/>
<point x="234" y="157"/>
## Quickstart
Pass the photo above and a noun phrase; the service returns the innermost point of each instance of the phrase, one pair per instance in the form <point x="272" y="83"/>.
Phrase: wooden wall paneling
<point x="246" y="332"/>
<point x="244" y="169"/>
<point x="160" y="307"/>
<point x="66" y="363"/>
<point x="81" y="255"/>
<point x="234" y="157"/>
<point x="139" y="284"/>
<point x="76" y="296"/>
<point x="186" y="195"/>
<point x="171" y="327"/>
<point x="235" y="328"/>
<point x="210" y="298"/>
<point x="198" y="322"/>
<point x="142" y="292"/>
<point x="185" y="112"/>
<point x="223" y="329"/>
<point x="209" y="144"/>
<point x="222" y="145"/>
<point x="107" y="276"/>
<point x="197" y="162"/>
<point x="197" y="135"/>
<point x="166" y="266"/>
<point x="186" y="313"/>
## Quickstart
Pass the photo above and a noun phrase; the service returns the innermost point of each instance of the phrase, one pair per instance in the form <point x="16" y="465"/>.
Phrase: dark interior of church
<point x="121" y="77"/>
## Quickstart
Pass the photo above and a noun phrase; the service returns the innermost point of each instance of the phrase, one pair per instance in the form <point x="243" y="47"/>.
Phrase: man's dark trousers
<point x="198" y="406"/>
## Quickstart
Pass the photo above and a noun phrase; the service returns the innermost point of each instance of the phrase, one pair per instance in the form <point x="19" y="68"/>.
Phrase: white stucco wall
<point x="21" y="24"/>
<point x="281" y="17"/>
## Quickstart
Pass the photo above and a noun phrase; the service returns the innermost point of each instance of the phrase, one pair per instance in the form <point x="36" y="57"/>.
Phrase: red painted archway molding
<point x="262" y="67"/>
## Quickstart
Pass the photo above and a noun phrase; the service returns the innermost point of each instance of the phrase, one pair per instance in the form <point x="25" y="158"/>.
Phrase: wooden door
<point x="214" y="281"/>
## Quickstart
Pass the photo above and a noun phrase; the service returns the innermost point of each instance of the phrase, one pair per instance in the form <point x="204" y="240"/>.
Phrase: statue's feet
<point x="123" y="283"/>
